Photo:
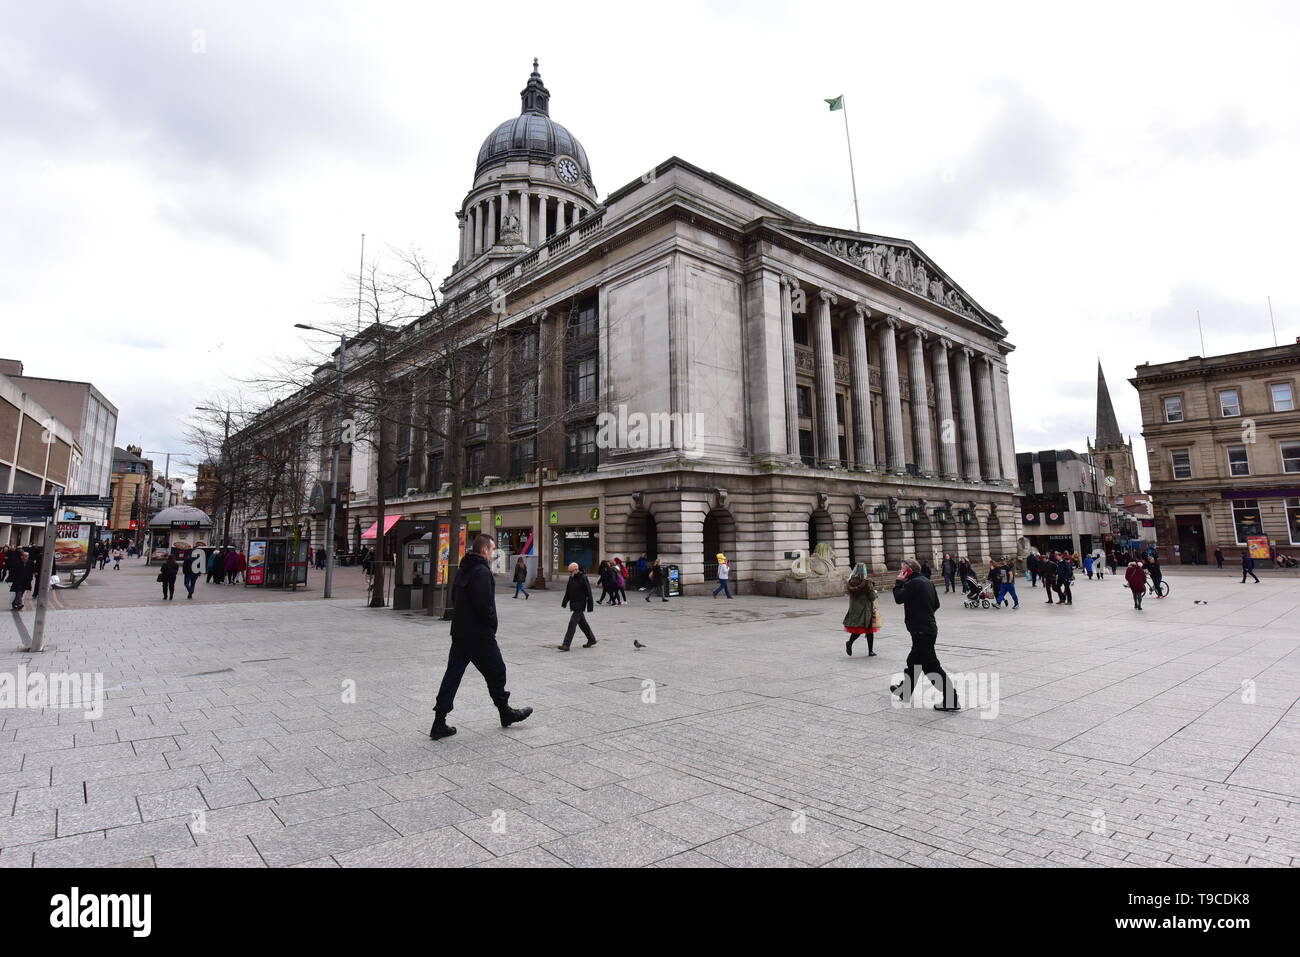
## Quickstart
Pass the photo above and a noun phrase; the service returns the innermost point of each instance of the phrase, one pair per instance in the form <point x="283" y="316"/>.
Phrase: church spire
<point x="536" y="98"/>
<point x="1108" y="436"/>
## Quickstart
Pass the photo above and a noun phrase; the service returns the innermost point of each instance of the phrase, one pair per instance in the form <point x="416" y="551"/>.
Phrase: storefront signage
<point x="555" y="518"/>
<point x="255" y="574"/>
<point x="1258" y="545"/>
<point x="72" y="546"/>
<point x="595" y="514"/>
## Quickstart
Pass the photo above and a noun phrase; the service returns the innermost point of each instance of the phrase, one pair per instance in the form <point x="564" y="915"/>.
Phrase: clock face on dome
<point x="567" y="169"/>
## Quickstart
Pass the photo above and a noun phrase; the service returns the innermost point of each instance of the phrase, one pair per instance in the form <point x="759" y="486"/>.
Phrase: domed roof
<point x="532" y="134"/>
<point x="180" y="513"/>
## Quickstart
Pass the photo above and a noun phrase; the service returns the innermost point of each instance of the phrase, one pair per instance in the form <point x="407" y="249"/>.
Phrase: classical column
<point x="948" y="464"/>
<point x="541" y="219"/>
<point x="988" y="436"/>
<point x="474" y="246"/>
<point x="490" y="239"/>
<point x="921" y="435"/>
<point x="890" y="391"/>
<point x="787" y="356"/>
<point x="523" y="216"/>
<point x="864" y="442"/>
<point x="827" y="417"/>
<point x="461" y="224"/>
<point x="966" y="409"/>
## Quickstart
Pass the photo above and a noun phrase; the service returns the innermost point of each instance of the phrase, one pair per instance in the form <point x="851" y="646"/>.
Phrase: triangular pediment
<point x="899" y="263"/>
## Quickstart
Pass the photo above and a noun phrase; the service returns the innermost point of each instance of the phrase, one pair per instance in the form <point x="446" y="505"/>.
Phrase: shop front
<point x="175" y="530"/>
<point x="575" y="535"/>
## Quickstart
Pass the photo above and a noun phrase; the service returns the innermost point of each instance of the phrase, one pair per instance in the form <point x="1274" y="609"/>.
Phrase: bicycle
<point x="1161" y="589"/>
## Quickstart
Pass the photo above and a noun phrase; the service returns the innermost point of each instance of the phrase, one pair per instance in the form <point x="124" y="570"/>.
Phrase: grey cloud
<point x="1227" y="135"/>
<point x="1022" y="153"/>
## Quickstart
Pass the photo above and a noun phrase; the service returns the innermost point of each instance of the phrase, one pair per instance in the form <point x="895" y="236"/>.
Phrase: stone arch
<point x="641" y="535"/>
<point x="995" y="535"/>
<point x="821" y="529"/>
<point x="860" y="539"/>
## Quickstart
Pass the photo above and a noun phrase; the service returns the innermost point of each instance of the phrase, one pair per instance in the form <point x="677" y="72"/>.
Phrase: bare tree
<point x="209" y="434"/>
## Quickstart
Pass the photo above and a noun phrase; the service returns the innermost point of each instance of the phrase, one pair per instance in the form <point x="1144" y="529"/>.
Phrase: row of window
<point x="1280" y="394"/>
<point x="1238" y="459"/>
<point x="1248" y="521"/>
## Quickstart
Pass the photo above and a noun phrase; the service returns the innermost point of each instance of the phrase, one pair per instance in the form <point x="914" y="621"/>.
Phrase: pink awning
<point x="389" y="522"/>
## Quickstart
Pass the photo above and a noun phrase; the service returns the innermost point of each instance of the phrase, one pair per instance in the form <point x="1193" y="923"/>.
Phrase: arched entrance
<point x="821" y="530"/>
<point x="893" y="531"/>
<point x="924" y="537"/>
<point x="995" y="538"/>
<point x="719" y="536"/>
<point x="860" y="539"/>
<point x="642" y="536"/>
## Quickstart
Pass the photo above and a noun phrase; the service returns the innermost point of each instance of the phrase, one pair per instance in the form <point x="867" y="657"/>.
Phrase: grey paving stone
<point x="330" y="836"/>
<point x="611" y="802"/>
<point x="735" y="851"/>
<point x="424" y="814"/>
<point x="444" y="847"/>
<point x="625" y="844"/>
<point x="236" y="852"/>
<point x="508" y="832"/>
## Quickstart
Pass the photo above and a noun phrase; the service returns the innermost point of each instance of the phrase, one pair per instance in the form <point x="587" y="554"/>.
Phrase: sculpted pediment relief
<point x="901" y="266"/>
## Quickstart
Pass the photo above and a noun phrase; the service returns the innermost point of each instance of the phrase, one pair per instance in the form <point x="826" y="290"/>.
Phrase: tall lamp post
<point x="334" y="463"/>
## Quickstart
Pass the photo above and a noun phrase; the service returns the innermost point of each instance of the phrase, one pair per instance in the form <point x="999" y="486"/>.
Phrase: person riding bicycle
<point x="1157" y="575"/>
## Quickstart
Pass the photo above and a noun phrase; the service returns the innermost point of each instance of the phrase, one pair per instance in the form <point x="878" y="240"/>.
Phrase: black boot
<point x="511" y="716"/>
<point x="440" y="727"/>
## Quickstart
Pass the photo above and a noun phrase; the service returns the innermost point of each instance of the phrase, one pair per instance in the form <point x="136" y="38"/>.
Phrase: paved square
<point x="294" y="733"/>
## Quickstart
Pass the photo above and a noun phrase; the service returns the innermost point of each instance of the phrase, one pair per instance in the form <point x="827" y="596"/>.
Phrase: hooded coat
<point x="862" y="600"/>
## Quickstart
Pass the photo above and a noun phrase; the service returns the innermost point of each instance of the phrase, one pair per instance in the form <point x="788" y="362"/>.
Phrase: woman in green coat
<point x="862" y="608"/>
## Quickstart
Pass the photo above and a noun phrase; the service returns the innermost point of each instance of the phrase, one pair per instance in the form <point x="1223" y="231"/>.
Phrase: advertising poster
<point x="444" y="551"/>
<point x="256" y="573"/>
<point x="1258" y="546"/>
<point x="72" y="545"/>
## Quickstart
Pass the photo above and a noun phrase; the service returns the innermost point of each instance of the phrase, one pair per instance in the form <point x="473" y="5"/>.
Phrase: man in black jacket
<point x="474" y="639"/>
<point x="577" y="598"/>
<point x="919" y="600"/>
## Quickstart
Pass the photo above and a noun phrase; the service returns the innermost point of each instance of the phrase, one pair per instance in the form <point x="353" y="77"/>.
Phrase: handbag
<point x="159" y="578"/>
<point x="875" y="618"/>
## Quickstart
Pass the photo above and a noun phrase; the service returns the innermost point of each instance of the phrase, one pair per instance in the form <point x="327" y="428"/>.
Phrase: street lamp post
<point x="334" y="465"/>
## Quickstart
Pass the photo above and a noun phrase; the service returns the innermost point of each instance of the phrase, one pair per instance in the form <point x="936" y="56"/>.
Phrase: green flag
<point x="837" y="103"/>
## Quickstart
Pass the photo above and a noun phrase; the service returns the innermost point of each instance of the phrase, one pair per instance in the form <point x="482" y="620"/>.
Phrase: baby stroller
<point x="979" y="594"/>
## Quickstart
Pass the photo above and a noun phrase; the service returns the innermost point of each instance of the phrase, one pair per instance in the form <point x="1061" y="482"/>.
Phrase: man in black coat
<point x="21" y="573"/>
<point x="919" y="600"/>
<point x="474" y="639"/>
<point x="1248" y="567"/>
<point x="577" y="598"/>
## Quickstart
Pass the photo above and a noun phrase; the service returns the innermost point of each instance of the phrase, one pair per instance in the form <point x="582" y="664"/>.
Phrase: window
<point x="1293" y="519"/>
<point x="835" y="342"/>
<point x="1229" y="405"/>
<point x="1182" y="462"/>
<point x="1238" y="462"/>
<point x="1245" y="518"/>
<point x="1283" y="399"/>
<point x="581" y="385"/>
<point x="434" y="463"/>
<point x="1173" y="408"/>
<point x="523" y="456"/>
<point x="806" y="447"/>
<point x="474" y="465"/>
<point x="580" y="450"/>
<point x="1290" y="456"/>
<point x="800" y="325"/>
<point x="805" y="401"/>
<point x="583" y="320"/>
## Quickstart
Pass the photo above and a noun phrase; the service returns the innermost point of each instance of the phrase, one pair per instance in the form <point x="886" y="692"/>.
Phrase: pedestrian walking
<point x="474" y="640"/>
<point x="724" y="576"/>
<point x="232" y="566"/>
<point x="1136" y="577"/>
<point x="191" y="578"/>
<point x="620" y="583"/>
<point x="658" y="581"/>
<point x="167" y="575"/>
<point x="920" y="601"/>
<point x="578" y="599"/>
<point x="602" y="575"/>
<point x="926" y="570"/>
<point x="1064" y="575"/>
<point x="949" y="571"/>
<point x="117" y="559"/>
<point x="20" y="577"/>
<point x="1047" y="572"/>
<point x="1248" y="567"/>
<point x="1087" y="566"/>
<point x="521" y="575"/>
<point x="1007" y="584"/>
<point x="1218" y="557"/>
<point x="215" y="565"/>
<point x="863" y="616"/>
<point x="642" y="572"/>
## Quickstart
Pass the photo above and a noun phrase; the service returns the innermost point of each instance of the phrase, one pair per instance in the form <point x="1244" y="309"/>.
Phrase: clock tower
<point x="532" y="183"/>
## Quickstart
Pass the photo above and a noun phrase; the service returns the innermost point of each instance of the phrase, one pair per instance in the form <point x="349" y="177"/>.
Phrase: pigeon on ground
<point x="637" y="644"/>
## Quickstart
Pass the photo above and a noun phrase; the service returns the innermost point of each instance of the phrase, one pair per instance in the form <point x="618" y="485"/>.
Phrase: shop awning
<point x="389" y="522"/>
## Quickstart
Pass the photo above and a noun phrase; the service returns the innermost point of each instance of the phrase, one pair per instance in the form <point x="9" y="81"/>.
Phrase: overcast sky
<point x="184" y="181"/>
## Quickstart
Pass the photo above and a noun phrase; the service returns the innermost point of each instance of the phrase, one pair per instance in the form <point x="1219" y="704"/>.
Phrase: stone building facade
<point x="717" y="374"/>
<point x="1223" y="446"/>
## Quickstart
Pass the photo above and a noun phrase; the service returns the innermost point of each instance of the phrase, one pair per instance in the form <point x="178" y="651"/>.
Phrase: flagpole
<point x="844" y="107"/>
